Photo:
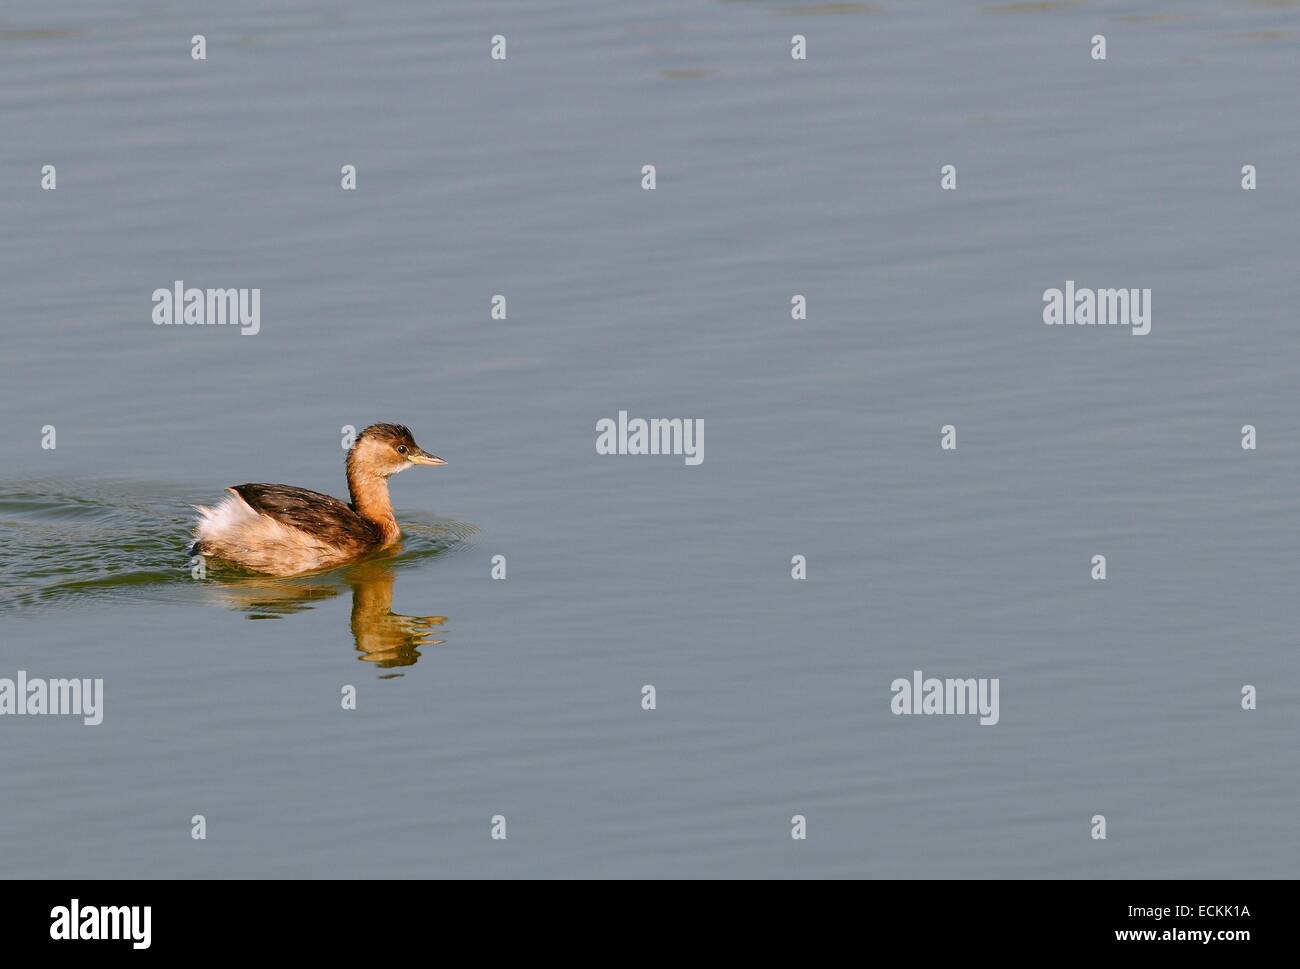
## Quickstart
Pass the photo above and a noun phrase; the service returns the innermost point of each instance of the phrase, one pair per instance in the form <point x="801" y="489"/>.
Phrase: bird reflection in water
<point x="383" y="637"/>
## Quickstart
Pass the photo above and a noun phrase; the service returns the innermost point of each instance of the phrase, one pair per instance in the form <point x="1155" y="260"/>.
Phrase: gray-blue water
<point x="522" y="698"/>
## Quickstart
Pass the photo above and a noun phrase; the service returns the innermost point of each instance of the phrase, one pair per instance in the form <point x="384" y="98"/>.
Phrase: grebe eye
<point x="401" y="449"/>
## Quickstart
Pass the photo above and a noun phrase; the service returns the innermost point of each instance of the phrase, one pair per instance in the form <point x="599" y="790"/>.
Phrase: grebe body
<point x="281" y="530"/>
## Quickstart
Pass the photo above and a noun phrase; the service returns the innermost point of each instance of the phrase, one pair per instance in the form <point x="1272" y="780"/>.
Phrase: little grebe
<point x="281" y="530"/>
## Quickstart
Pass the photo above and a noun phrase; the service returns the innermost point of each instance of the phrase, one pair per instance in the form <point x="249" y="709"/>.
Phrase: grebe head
<point x="382" y="450"/>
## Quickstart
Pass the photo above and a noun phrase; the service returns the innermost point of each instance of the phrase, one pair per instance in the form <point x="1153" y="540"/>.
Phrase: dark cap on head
<point x="386" y="449"/>
<point x="392" y="433"/>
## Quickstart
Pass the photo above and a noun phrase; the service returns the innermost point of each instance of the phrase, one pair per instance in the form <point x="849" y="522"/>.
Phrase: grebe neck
<point x="370" y="500"/>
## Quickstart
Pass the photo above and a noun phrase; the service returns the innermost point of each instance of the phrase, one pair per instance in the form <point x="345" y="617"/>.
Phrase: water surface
<point x="775" y="177"/>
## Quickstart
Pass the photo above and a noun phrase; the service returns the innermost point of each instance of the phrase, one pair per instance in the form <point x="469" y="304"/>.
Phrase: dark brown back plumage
<point x="319" y="515"/>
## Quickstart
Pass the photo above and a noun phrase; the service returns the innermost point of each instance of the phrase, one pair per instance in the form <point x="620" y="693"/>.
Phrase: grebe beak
<point x="424" y="457"/>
